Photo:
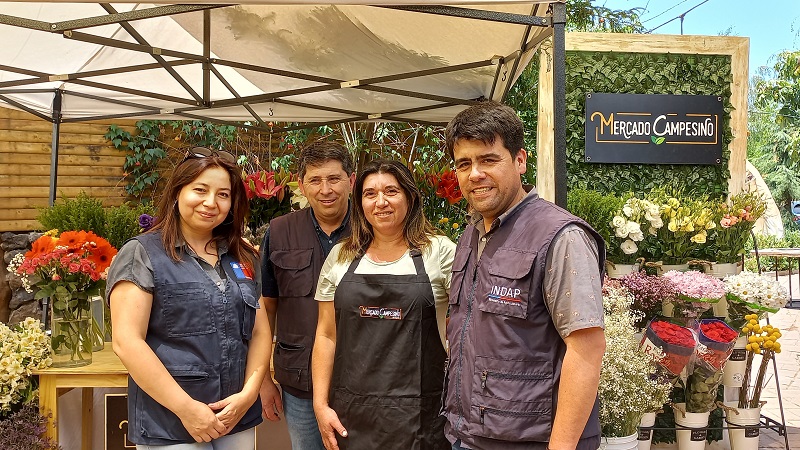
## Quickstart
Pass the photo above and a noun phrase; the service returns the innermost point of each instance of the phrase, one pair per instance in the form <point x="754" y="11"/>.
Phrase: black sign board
<point x="116" y="425"/>
<point x="653" y="129"/>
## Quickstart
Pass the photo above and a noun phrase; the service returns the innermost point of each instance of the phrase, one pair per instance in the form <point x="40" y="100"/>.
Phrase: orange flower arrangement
<point x="66" y="269"/>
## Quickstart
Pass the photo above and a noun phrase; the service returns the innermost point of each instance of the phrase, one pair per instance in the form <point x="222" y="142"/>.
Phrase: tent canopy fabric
<point x="290" y="61"/>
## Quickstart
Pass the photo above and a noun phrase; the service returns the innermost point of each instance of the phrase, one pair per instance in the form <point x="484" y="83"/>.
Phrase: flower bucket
<point x="70" y="336"/>
<point x="720" y="308"/>
<point x="722" y="270"/>
<point x="645" y="438"/>
<point x="667" y="309"/>
<point x="691" y="432"/>
<point x="733" y="371"/>
<point x="744" y="438"/>
<point x="619" y="443"/>
<point x="676" y="342"/>
<point x="620" y="270"/>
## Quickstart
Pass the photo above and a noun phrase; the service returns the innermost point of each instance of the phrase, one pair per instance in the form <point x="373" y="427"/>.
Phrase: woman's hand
<point x="230" y="410"/>
<point x="201" y="422"/>
<point x="329" y="424"/>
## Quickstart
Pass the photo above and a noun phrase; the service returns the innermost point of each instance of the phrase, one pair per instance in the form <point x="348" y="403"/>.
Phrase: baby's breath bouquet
<point x="24" y="349"/>
<point x="629" y="382"/>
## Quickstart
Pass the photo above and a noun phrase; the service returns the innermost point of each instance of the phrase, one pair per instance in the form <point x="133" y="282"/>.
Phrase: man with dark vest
<point x="294" y="248"/>
<point x="526" y="312"/>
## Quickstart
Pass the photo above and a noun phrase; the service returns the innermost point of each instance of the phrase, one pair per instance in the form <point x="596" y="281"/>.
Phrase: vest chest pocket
<point x="293" y="272"/>
<point x="506" y="286"/>
<point x="458" y="274"/>
<point x="188" y="312"/>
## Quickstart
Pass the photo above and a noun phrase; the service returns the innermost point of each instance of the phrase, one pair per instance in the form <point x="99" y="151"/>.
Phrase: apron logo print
<point x="505" y="295"/>
<point x="241" y="271"/>
<point x="377" y="312"/>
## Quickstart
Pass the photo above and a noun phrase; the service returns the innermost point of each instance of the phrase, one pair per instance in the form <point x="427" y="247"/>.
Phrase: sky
<point x="771" y="25"/>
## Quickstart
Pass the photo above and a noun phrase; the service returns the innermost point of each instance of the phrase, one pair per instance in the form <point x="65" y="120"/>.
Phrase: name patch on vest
<point x="377" y="312"/>
<point x="505" y="295"/>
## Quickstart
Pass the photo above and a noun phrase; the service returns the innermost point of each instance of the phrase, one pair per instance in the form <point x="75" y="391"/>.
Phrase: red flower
<point x="446" y="185"/>
<point x="262" y="184"/>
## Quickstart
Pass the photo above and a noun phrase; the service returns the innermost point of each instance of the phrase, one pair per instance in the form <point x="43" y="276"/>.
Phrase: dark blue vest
<point x="200" y="334"/>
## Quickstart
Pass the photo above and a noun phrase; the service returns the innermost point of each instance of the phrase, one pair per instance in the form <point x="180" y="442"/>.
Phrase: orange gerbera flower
<point x="73" y="240"/>
<point x="100" y="252"/>
<point x="41" y="246"/>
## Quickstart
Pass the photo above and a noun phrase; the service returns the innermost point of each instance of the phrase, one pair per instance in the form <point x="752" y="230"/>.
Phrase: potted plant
<point x="629" y="386"/>
<point x="269" y="197"/>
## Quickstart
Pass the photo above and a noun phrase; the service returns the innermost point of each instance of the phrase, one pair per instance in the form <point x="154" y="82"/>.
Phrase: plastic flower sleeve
<point x="677" y="344"/>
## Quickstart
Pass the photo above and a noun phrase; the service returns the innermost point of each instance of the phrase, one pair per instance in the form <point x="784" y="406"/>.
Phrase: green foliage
<point x="81" y="213"/>
<point x="582" y="15"/>
<point x="641" y="73"/>
<point x="122" y="222"/>
<point x="144" y="153"/>
<point x="596" y="209"/>
<point x="524" y="98"/>
<point x="145" y="149"/>
<point x="117" y="224"/>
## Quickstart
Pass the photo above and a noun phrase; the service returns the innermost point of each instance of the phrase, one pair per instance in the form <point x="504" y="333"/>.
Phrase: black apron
<point x="389" y="365"/>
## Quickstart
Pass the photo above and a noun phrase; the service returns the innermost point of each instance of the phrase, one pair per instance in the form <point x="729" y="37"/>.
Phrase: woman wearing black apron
<point x="378" y="361"/>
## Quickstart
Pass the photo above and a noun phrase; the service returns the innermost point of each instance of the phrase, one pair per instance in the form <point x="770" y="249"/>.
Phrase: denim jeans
<point x="302" y="423"/>
<point x="243" y="440"/>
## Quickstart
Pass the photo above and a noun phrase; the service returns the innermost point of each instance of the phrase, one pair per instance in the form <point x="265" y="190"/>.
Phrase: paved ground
<point x="788" y="364"/>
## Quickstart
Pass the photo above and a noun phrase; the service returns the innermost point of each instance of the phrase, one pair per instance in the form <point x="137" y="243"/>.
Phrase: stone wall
<point x="21" y="303"/>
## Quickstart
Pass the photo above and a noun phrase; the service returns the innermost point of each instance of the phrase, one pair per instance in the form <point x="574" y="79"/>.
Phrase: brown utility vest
<point x="297" y="257"/>
<point x="505" y="352"/>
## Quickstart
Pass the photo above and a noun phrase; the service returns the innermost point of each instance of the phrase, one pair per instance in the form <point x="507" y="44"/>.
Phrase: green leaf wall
<point x="644" y="73"/>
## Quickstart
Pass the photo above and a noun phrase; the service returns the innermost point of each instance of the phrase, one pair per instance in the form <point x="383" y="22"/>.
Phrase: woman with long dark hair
<point x="185" y="315"/>
<point x="378" y="360"/>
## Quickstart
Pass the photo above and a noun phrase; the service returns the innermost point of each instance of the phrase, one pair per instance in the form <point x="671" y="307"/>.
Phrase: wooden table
<point x="106" y="370"/>
<point x="790" y="254"/>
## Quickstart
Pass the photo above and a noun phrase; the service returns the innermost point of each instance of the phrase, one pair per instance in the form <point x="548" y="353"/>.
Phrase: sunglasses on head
<point x="202" y="152"/>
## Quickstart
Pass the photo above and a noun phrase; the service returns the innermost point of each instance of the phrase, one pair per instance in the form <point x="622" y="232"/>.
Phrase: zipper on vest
<point x="506" y="376"/>
<point x="470" y="299"/>
<point x="299" y="374"/>
<point x="483" y="411"/>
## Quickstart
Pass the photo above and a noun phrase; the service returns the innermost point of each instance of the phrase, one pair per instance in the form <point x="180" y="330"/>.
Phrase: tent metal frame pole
<point x="478" y="14"/>
<point x="25" y="108"/>
<point x="57" y="99"/>
<point x="207" y="56"/>
<point x="160" y="59"/>
<point x="559" y="104"/>
<point x="43" y="77"/>
<point x="68" y="25"/>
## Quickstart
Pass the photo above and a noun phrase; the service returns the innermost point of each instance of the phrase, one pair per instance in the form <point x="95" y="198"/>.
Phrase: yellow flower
<point x="699" y="238"/>
<point x="52" y="233"/>
<point x="672" y="226"/>
<point x="443" y="220"/>
<point x="456" y="225"/>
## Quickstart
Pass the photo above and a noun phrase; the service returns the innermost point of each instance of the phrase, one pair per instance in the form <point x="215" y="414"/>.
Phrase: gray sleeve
<point x="131" y="264"/>
<point x="572" y="283"/>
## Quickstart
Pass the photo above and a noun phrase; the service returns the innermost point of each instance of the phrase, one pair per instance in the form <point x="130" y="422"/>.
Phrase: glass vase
<point x="71" y="333"/>
<point x="98" y="323"/>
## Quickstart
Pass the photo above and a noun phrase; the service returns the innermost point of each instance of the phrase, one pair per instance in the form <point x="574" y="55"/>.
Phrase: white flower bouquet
<point x="629" y="224"/>
<point x="24" y="348"/>
<point x="752" y="293"/>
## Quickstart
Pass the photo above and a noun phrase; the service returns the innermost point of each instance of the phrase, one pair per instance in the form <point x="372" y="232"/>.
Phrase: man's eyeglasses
<point x="202" y="152"/>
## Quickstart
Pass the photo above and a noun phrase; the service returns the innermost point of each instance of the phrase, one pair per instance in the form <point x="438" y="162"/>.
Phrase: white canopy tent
<point x="280" y="61"/>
